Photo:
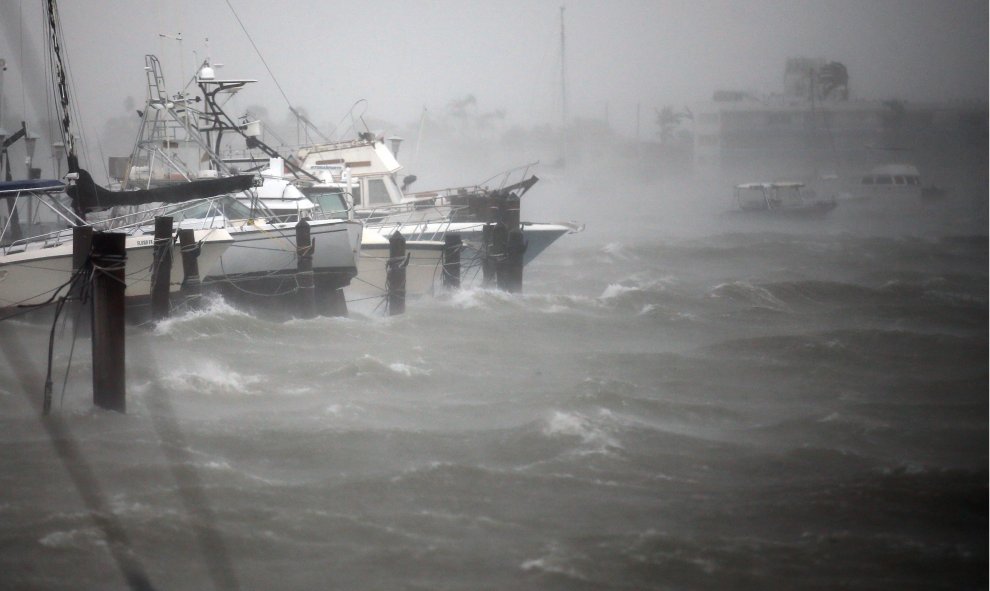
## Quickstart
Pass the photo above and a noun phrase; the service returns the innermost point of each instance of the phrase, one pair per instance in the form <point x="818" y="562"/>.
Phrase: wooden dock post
<point x="452" y="261"/>
<point x="109" y="257"/>
<point x="336" y="303"/>
<point x="510" y="213"/>
<point x="82" y="245"/>
<point x="192" y="288"/>
<point x="395" y="274"/>
<point x="161" y="268"/>
<point x="304" y="271"/>
<point x="511" y="271"/>
<point x="487" y="256"/>
<point x="82" y="238"/>
<point x="330" y="299"/>
<point x="500" y="238"/>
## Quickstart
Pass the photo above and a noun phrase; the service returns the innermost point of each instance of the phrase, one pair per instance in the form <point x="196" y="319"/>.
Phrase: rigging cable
<point x="299" y="116"/>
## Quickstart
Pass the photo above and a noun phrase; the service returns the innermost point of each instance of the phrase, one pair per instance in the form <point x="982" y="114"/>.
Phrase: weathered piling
<point x="487" y="256"/>
<point x="395" y="274"/>
<point x="329" y="294"/>
<point x="510" y="212"/>
<point x="511" y="267"/>
<point x="108" y="257"/>
<point x="510" y="276"/>
<point x="336" y="303"/>
<point x="161" y="268"/>
<point x="192" y="289"/>
<point x="500" y="237"/>
<point x="452" y="261"/>
<point x="82" y="244"/>
<point x="306" y="296"/>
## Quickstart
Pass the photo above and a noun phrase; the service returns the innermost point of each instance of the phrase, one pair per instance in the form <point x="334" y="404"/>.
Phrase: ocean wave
<point x="370" y="366"/>
<point x="593" y="432"/>
<point x="205" y="376"/>
<point x="556" y="561"/>
<point x="860" y="350"/>
<point x="74" y="538"/>
<point x="624" y="398"/>
<point x="750" y="294"/>
<point x="215" y="317"/>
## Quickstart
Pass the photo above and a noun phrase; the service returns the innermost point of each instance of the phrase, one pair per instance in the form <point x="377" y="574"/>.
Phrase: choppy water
<point x="739" y="406"/>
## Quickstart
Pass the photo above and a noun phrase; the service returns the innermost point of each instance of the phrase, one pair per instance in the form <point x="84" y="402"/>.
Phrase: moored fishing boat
<point x="34" y="268"/>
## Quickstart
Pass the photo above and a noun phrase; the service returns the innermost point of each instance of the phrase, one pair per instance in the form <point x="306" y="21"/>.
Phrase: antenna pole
<point x="563" y="71"/>
<point x="563" y="91"/>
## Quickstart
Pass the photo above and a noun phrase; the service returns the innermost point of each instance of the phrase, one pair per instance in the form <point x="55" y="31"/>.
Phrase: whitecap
<point x="563" y="424"/>
<point x="210" y="377"/>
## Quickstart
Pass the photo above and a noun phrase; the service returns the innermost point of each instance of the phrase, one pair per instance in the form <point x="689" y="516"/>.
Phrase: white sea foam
<point x="213" y="307"/>
<point x="615" y="290"/>
<point x="555" y="562"/>
<point x="747" y="292"/>
<point x="211" y="377"/>
<point x="73" y="538"/>
<point x="564" y="424"/>
<point x="408" y="370"/>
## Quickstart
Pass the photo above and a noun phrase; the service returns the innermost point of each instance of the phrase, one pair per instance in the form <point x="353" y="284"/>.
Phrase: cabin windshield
<point x="331" y="201"/>
<point x="226" y="207"/>
<point x="378" y="192"/>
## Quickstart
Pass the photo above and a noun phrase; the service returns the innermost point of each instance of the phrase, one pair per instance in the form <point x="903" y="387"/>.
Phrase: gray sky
<point x="404" y="55"/>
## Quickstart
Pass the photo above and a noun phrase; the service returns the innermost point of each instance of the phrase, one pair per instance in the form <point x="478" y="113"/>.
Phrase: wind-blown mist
<point x="682" y="397"/>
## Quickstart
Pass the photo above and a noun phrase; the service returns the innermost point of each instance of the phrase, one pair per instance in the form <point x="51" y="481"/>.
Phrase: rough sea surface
<point x="678" y="400"/>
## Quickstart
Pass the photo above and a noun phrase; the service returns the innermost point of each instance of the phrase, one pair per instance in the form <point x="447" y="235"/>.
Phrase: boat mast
<point x="563" y="91"/>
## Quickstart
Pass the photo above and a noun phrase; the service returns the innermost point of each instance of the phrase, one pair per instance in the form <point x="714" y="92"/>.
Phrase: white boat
<point x="791" y="199"/>
<point x="286" y="197"/>
<point x="263" y="253"/>
<point x="894" y="182"/>
<point x="35" y="269"/>
<point x="367" y="169"/>
<point x="423" y="263"/>
<point x="263" y="259"/>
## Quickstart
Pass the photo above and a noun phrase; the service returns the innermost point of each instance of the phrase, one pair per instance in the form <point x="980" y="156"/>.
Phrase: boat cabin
<point x="893" y="174"/>
<point x="891" y="180"/>
<point x="366" y="167"/>
<point x="762" y="196"/>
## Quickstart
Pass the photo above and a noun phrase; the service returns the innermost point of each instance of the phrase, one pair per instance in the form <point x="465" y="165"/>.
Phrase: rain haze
<point x="747" y="347"/>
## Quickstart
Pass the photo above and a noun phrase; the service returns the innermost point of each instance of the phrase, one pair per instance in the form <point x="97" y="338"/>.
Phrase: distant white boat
<point x="782" y="199"/>
<point x="890" y="181"/>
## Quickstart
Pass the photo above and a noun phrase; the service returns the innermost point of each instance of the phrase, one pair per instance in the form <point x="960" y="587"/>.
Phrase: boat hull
<point x="538" y="236"/>
<point x="423" y="271"/>
<point x="35" y="275"/>
<point x="263" y="256"/>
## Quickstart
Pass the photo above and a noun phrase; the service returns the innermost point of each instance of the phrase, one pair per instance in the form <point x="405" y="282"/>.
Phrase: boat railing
<point x="509" y="177"/>
<point x="416" y="221"/>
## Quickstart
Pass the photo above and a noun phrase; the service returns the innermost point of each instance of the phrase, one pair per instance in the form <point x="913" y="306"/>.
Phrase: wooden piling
<point x="82" y="244"/>
<point x="108" y="257"/>
<point x="511" y="270"/>
<point x="306" y="302"/>
<point x="191" y="286"/>
<point x="336" y="303"/>
<point x="452" y="261"/>
<point x="161" y="268"/>
<point x="487" y="256"/>
<point x="395" y="274"/>
<point x="510" y="213"/>
<point x="500" y="238"/>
